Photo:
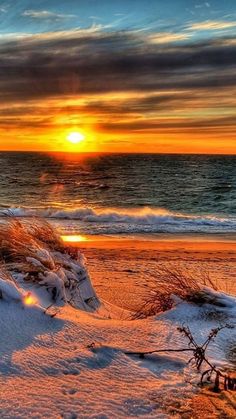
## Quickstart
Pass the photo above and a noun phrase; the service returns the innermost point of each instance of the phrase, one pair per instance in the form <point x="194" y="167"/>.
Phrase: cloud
<point x="168" y="37"/>
<point x="211" y="25"/>
<point x="45" y="14"/>
<point x="172" y="124"/>
<point x="200" y="6"/>
<point x="92" y="61"/>
<point x="123" y="81"/>
<point x="95" y="17"/>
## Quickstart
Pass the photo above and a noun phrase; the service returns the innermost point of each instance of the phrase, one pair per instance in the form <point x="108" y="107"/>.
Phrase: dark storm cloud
<point x="80" y="63"/>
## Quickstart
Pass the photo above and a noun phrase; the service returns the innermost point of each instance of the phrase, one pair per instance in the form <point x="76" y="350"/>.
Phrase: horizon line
<point x="120" y="152"/>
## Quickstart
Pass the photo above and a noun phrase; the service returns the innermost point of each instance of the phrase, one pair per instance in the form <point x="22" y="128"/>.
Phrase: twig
<point x="199" y="356"/>
<point x="51" y="314"/>
<point x="158" y="351"/>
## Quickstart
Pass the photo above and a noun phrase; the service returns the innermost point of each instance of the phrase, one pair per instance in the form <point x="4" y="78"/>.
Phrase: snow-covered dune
<point x="75" y="364"/>
<point x="35" y="263"/>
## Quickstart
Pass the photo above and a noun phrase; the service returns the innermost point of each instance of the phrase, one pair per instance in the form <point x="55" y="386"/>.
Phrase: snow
<point x="49" y="371"/>
<point x="36" y="264"/>
<point x="9" y="291"/>
<point x="74" y="365"/>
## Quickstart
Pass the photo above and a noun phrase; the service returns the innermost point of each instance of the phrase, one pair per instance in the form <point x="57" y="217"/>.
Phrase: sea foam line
<point x="114" y="215"/>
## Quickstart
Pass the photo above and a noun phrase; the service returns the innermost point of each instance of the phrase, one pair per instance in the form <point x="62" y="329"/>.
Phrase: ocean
<point x="122" y="194"/>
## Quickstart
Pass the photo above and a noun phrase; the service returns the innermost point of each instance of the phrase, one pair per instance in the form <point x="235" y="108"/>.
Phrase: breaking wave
<point x="118" y="221"/>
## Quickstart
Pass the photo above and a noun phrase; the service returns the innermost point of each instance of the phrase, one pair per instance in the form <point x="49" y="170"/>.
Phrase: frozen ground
<point x="74" y="365"/>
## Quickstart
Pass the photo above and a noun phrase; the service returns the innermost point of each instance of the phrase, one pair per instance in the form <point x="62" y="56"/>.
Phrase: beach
<point x="68" y="319"/>
<point x="118" y="209"/>
<point x="118" y="268"/>
<point x="125" y="264"/>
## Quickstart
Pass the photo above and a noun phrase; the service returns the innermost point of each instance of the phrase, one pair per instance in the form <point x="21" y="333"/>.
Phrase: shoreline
<point x="162" y="243"/>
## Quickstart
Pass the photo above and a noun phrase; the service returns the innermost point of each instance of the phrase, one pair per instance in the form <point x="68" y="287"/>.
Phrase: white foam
<point x="114" y="220"/>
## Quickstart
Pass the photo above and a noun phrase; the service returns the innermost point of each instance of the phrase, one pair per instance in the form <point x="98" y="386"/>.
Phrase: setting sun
<point x="75" y="137"/>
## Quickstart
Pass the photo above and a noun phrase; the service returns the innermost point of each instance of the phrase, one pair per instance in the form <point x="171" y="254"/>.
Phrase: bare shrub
<point x="199" y="359"/>
<point x="172" y="280"/>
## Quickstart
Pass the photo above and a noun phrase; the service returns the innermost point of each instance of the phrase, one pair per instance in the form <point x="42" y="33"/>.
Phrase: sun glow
<point x="75" y="137"/>
<point x="29" y="299"/>
<point x="74" y="238"/>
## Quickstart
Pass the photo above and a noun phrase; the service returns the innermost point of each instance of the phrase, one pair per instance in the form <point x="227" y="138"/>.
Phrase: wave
<point x="114" y="220"/>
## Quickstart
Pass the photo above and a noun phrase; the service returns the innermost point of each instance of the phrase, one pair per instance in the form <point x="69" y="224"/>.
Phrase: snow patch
<point x="36" y="258"/>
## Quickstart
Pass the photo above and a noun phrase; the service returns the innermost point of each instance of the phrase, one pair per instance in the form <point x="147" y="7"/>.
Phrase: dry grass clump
<point x="5" y="275"/>
<point x="32" y="252"/>
<point x="157" y="294"/>
<point x="12" y="230"/>
<point x="19" y="239"/>
<point x="26" y="247"/>
<point x="44" y="232"/>
<point x="15" y="242"/>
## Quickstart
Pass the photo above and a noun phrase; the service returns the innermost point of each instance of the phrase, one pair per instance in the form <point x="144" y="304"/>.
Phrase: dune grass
<point x="35" y="251"/>
<point x="172" y="280"/>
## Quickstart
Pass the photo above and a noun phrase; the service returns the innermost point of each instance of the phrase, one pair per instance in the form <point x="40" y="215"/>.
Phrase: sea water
<point x="122" y="193"/>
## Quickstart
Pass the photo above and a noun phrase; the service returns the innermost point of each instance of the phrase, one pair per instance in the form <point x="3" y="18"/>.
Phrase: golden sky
<point x="141" y="89"/>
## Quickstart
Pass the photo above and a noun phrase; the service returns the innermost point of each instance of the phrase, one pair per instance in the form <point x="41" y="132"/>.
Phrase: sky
<point x="127" y="76"/>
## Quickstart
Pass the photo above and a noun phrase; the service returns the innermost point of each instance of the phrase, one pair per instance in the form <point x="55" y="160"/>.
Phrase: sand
<point x="75" y="364"/>
<point x="115" y="261"/>
<point x="133" y="261"/>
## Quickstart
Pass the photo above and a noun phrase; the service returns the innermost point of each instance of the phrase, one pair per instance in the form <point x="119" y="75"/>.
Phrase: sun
<point x="75" y="137"/>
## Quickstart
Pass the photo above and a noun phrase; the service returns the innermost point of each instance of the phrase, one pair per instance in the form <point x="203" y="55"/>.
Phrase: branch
<point x="140" y="353"/>
<point x="199" y="356"/>
<point x="46" y="311"/>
